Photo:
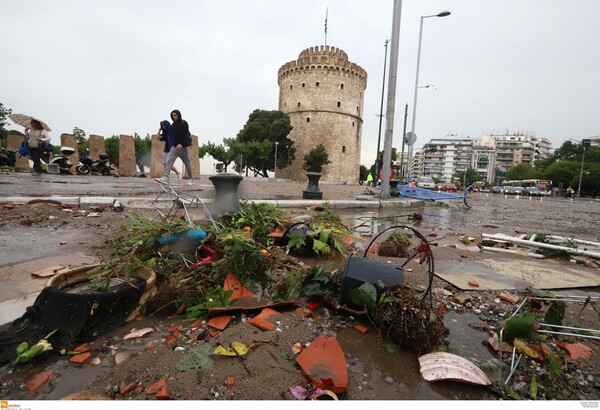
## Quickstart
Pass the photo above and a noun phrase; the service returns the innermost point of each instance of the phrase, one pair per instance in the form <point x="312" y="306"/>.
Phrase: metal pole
<point x="391" y="97"/>
<point x="581" y="172"/>
<point x="275" y="168"/>
<point x="414" y="113"/>
<point x="402" y="173"/>
<point x="377" y="164"/>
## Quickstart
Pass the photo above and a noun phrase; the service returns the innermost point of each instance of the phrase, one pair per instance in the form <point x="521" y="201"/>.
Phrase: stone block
<point x="127" y="165"/>
<point x="194" y="157"/>
<point x="156" y="154"/>
<point x="13" y="143"/>
<point x="96" y="145"/>
<point x="68" y="140"/>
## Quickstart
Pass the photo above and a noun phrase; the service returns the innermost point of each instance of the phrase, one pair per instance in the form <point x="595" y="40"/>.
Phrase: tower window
<point x="339" y="104"/>
<point x="298" y="103"/>
<point x="307" y="119"/>
<point x="291" y="86"/>
<point x="358" y="110"/>
<point x="303" y="84"/>
<point x="343" y="148"/>
<point x="342" y="86"/>
<point x="318" y="83"/>
<point x="352" y="123"/>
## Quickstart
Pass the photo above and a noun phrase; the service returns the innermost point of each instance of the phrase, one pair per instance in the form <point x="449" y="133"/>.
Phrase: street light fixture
<point x="377" y="164"/>
<point x="581" y="170"/>
<point x="275" y="169"/>
<point x="414" y="108"/>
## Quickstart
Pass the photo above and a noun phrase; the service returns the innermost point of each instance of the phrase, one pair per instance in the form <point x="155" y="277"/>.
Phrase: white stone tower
<point x="323" y="93"/>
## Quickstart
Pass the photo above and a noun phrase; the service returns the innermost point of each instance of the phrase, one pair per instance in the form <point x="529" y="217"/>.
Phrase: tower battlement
<point x="322" y="58"/>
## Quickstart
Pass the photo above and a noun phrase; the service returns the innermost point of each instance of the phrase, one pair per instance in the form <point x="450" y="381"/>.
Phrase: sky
<point x="115" y="67"/>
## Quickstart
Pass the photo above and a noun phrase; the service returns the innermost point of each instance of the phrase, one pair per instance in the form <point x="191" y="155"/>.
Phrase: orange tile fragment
<point x="261" y="322"/>
<point x="577" y="350"/>
<point x="474" y="283"/>
<point x="219" y="322"/>
<point x="509" y="298"/>
<point x="173" y="328"/>
<point x="361" y="328"/>
<point x="163" y="394"/>
<point x="197" y="323"/>
<point x="80" y="358"/>
<point x="155" y="387"/>
<point x="38" y="380"/>
<point x="127" y="385"/>
<point x="170" y="340"/>
<point x="230" y="381"/>
<point x="214" y="333"/>
<point x="232" y="283"/>
<point x="82" y="348"/>
<point x="323" y="361"/>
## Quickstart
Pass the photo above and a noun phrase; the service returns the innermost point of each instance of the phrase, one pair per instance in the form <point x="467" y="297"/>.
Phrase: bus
<point x="513" y="182"/>
<point x="544" y="185"/>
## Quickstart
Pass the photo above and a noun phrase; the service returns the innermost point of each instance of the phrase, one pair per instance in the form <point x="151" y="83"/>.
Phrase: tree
<point x="256" y="141"/>
<point x="523" y="171"/>
<point x="111" y="145"/>
<point x="316" y="159"/>
<point x="4" y="113"/>
<point x="222" y="153"/>
<point x="364" y="173"/>
<point x="82" y="142"/>
<point x="471" y="176"/>
<point x="143" y="148"/>
<point x="563" y="172"/>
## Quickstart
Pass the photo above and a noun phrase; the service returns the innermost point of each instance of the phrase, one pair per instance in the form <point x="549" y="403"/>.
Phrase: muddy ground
<point x="269" y="371"/>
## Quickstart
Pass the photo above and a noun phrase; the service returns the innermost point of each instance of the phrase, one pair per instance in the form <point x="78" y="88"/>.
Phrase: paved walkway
<point x="139" y="192"/>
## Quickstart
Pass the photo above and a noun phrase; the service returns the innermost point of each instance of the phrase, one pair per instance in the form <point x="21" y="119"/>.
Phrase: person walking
<point x="36" y="137"/>
<point x="369" y="180"/>
<point x="165" y="133"/>
<point x="179" y="149"/>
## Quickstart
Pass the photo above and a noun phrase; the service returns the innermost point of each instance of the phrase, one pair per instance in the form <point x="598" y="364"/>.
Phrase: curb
<point x="141" y="203"/>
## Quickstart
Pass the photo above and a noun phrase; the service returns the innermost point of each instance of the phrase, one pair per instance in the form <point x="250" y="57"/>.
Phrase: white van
<point x="426" y="182"/>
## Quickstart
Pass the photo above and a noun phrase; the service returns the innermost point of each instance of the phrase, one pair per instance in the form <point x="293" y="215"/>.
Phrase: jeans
<point x="36" y="154"/>
<point x="172" y="156"/>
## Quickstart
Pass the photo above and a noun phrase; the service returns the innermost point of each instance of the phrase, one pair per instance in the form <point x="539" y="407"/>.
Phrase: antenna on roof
<point x="326" y="13"/>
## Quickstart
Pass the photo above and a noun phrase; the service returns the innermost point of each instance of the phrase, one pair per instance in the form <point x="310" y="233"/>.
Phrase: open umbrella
<point x="25" y="121"/>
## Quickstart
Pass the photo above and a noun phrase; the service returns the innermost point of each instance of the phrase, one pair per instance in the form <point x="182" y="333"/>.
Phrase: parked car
<point x="497" y="189"/>
<point x="447" y="187"/>
<point x="426" y="182"/>
<point x="513" y="190"/>
<point x="532" y="191"/>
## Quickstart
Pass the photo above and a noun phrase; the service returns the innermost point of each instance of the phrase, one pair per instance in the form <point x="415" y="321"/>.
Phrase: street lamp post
<point x="275" y="169"/>
<point x="581" y="171"/>
<point x="377" y="164"/>
<point x="414" y="108"/>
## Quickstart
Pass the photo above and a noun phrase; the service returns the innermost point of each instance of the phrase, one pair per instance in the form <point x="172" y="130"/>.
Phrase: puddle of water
<point x="373" y="365"/>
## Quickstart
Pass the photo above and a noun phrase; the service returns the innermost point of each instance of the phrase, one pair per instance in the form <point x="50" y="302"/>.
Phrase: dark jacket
<point x="181" y="132"/>
<point x="166" y="135"/>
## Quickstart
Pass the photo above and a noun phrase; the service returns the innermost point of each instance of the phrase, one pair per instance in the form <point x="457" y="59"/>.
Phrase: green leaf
<point x="554" y="367"/>
<point x="295" y="241"/>
<point x="521" y="326"/>
<point x="556" y="313"/>
<point x="390" y="347"/>
<point x="365" y="295"/>
<point x="533" y="388"/>
<point x="320" y="247"/>
<point x="200" y="356"/>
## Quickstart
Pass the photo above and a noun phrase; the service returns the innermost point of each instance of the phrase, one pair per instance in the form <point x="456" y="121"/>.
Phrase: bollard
<point x="226" y="186"/>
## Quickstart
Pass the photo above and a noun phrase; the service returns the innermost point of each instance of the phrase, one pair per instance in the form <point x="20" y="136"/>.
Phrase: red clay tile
<point x="509" y="298"/>
<point x="577" y="350"/>
<point x="474" y="283"/>
<point x="324" y="363"/>
<point x="170" y="340"/>
<point x="80" y="358"/>
<point x="81" y="348"/>
<point x="214" y="334"/>
<point x="163" y="394"/>
<point x="261" y="320"/>
<point x="219" y="322"/>
<point x="155" y="387"/>
<point x="38" y="380"/>
<point x="304" y="312"/>
<point x="230" y="381"/>
<point x="127" y="385"/>
<point x="361" y="328"/>
<point x="239" y="291"/>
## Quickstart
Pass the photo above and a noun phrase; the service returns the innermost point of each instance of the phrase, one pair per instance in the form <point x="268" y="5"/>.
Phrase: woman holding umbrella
<point x="36" y="137"/>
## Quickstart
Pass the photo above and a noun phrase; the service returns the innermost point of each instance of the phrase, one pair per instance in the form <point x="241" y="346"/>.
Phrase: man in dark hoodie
<point x="179" y="149"/>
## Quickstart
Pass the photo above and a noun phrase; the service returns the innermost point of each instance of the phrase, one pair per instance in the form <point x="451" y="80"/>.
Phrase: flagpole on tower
<point x="326" y="13"/>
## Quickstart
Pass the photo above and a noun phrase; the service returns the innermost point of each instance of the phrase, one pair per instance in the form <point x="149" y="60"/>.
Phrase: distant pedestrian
<point x="37" y="137"/>
<point x="165" y="134"/>
<point x="179" y="149"/>
<point x="370" y="179"/>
